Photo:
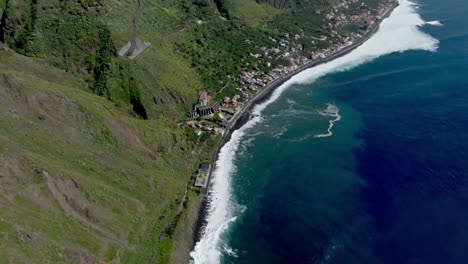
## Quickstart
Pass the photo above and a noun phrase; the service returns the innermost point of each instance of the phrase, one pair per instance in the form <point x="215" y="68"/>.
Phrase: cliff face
<point x="93" y="160"/>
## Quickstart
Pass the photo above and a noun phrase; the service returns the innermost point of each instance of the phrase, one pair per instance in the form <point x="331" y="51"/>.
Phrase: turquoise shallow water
<point x="390" y="185"/>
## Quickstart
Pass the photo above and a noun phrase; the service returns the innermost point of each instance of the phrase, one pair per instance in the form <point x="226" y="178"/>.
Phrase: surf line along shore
<point x="245" y="114"/>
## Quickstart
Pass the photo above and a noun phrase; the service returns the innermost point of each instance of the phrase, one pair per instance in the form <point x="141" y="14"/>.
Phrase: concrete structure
<point x="203" y="175"/>
<point x="204" y="111"/>
<point x="134" y="48"/>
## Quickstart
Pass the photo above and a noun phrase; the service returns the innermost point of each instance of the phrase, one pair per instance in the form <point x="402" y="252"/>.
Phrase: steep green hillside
<point x="211" y="39"/>
<point x="95" y="163"/>
<point x="83" y="37"/>
<point x="81" y="180"/>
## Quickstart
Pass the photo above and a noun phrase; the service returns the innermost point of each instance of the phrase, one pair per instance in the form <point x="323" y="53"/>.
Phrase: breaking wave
<point x="398" y="33"/>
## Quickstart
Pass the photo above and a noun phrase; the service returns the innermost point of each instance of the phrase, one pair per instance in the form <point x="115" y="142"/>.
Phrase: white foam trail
<point x="399" y="33"/>
<point x="300" y="139"/>
<point x="281" y="132"/>
<point x="332" y="111"/>
<point x="231" y="252"/>
<point x="435" y="23"/>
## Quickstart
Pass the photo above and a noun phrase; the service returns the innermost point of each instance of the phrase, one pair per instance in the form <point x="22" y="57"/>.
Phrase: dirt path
<point x="133" y="28"/>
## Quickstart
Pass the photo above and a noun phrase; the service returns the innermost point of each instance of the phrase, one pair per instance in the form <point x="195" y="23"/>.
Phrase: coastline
<point x="245" y="114"/>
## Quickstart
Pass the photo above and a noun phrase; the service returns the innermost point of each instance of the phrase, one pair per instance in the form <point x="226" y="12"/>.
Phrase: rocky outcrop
<point x="3" y="17"/>
<point x="222" y="9"/>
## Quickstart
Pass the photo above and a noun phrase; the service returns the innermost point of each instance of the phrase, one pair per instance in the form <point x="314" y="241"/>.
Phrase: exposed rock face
<point x="2" y="24"/>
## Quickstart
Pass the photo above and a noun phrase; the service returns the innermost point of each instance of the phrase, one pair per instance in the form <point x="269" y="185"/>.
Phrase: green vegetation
<point x="251" y="13"/>
<point x="94" y="157"/>
<point x="218" y="48"/>
<point x="127" y="173"/>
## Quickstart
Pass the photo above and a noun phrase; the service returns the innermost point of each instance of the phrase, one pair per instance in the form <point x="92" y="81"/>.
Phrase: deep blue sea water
<point x="390" y="185"/>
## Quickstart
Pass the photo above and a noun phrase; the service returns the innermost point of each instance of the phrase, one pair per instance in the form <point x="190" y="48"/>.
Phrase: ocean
<point x="360" y="160"/>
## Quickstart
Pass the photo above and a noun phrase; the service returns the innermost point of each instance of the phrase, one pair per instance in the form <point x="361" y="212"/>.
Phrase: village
<point x="215" y="116"/>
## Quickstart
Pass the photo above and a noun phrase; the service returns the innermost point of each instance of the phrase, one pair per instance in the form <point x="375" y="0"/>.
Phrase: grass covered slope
<point x="83" y="37"/>
<point x="95" y="166"/>
<point x="83" y="177"/>
<point x="80" y="180"/>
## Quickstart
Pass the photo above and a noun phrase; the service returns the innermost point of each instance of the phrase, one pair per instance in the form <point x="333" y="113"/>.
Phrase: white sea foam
<point x="222" y="210"/>
<point x="332" y="111"/>
<point x="435" y="23"/>
<point x="399" y="33"/>
<point x="231" y="252"/>
<point x="280" y="133"/>
<point x="300" y="139"/>
<point x="246" y="143"/>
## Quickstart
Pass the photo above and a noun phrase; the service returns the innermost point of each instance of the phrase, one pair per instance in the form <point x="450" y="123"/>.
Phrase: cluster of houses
<point x="336" y="19"/>
<point x="212" y="116"/>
